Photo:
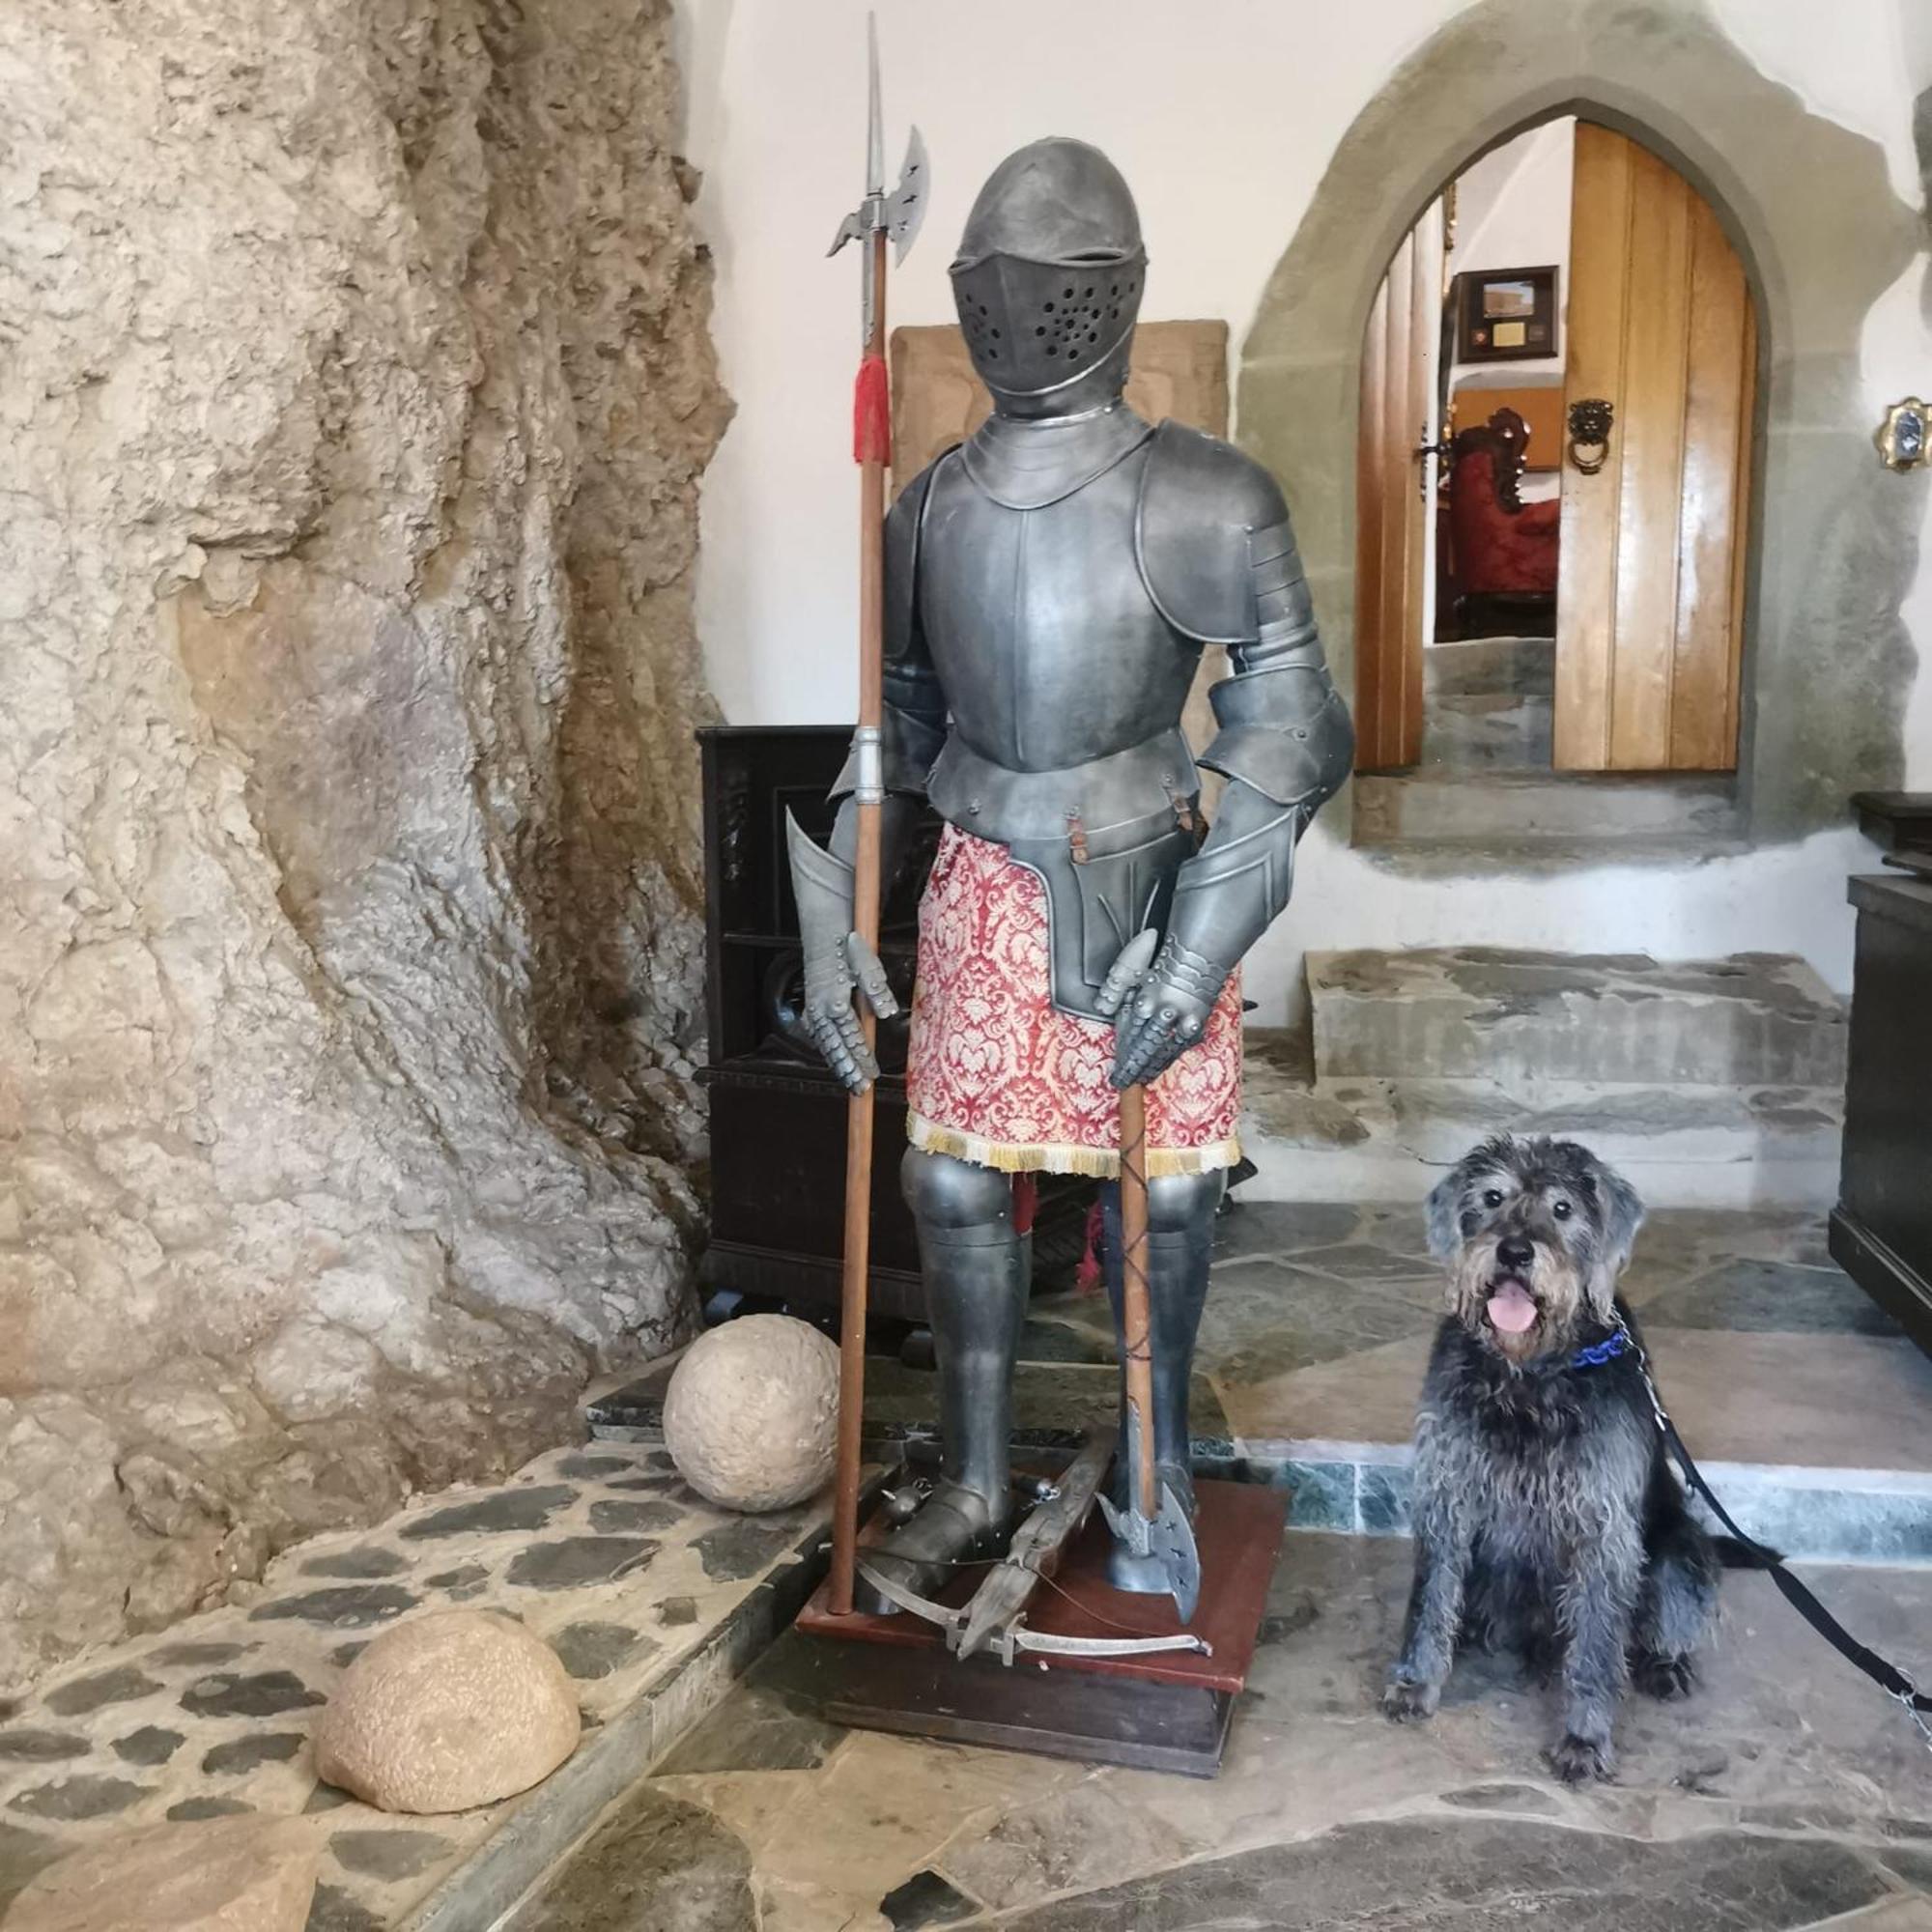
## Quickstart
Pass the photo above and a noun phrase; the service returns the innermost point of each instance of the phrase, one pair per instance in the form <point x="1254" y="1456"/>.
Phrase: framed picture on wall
<point x="1505" y="314"/>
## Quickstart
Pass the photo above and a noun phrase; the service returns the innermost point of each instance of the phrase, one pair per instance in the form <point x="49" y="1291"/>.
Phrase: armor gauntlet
<point x="1285" y="744"/>
<point x="912" y="727"/>
<point x="838" y="962"/>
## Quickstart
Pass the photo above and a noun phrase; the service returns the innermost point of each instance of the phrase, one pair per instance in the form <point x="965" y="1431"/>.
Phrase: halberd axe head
<point x="1168" y="1539"/>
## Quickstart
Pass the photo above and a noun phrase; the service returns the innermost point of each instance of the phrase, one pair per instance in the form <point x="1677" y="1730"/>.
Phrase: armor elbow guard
<point x="1284" y="730"/>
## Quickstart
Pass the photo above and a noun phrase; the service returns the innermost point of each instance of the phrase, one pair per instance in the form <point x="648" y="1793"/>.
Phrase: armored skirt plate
<point x="1168" y="1711"/>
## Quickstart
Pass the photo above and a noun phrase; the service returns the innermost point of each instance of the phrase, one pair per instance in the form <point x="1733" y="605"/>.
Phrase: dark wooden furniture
<point x="778" y="1114"/>
<point x="1505" y="550"/>
<point x="1881" y="1228"/>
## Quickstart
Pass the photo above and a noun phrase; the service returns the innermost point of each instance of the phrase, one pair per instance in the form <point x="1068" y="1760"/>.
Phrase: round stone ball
<point x="445" y="1711"/>
<point x="751" y="1414"/>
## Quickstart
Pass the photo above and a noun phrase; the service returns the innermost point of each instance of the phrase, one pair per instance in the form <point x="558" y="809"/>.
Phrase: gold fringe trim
<point x="1062" y="1156"/>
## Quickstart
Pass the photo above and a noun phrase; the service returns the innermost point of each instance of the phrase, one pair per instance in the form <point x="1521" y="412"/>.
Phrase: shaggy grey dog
<point x="1547" y="1519"/>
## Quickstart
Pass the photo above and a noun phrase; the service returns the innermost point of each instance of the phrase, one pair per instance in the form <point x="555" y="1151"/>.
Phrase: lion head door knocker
<point x="1590" y="420"/>
<point x="1902" y="437"/>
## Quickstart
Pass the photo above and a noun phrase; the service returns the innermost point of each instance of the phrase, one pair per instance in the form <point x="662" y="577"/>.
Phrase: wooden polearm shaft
<point x="872" y="444"/>
<point x="1136" y="1309"/>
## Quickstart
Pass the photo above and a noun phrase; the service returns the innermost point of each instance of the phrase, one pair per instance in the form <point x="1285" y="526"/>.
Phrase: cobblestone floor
<point x="603" y="1553"/>
<point x="1786" y="1792"/>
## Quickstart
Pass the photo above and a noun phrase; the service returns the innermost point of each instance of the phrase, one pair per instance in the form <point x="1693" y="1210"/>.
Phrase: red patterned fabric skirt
<point x="998" y="1075"/>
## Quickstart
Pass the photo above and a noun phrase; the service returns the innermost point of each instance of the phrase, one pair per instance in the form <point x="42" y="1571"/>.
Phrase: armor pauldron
<point x="1213" y="539"/>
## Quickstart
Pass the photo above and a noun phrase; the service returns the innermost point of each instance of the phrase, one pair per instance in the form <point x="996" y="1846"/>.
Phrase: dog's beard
<point x="1519" y="1312"/>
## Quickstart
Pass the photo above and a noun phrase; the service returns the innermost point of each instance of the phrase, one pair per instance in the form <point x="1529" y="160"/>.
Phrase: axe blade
<point x="905" y="206"/>
<point x="1168" y="1538"/>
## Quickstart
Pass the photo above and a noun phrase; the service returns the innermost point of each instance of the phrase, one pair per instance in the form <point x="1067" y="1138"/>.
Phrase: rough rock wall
<point x="355" y="385"/>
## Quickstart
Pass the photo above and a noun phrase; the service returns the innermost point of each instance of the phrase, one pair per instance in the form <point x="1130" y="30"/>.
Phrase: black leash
<point x="1887" y="1675"/>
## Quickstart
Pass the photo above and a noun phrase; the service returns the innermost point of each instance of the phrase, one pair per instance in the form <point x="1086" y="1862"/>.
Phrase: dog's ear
<point x="1441" y="1216"/>
<point x="1622" y="1214"/>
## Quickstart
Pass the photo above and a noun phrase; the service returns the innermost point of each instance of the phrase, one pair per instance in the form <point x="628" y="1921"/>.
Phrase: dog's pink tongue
<point x="1510" y="1310"/>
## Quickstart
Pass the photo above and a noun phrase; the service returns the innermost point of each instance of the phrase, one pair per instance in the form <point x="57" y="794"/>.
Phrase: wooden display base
<point x="1169" y="1710"/>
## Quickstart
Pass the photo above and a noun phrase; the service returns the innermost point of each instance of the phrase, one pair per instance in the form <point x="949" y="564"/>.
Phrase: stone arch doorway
<point x="1811" y="210"/>
<point x="1528" y="604"/>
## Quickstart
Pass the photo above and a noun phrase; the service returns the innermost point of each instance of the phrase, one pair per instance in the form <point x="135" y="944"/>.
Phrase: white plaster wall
<point x="1224" y="126"/>
<point x="1513" y="212"/>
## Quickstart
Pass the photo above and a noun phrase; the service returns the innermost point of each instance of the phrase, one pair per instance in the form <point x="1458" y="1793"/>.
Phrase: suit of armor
<point x="1050" y="585"/>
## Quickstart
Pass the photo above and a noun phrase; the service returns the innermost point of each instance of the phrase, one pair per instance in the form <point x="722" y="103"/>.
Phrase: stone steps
<point x="1757" y="1020"/>
<point x="1441" y="805"/>
<point x="1378" y="1139"/>
<point x="1485" y="667"/>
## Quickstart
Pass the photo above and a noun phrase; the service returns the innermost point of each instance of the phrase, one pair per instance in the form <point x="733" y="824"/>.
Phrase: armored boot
<point x="976" y="1292"/>
<point x="1180" y="1235"/>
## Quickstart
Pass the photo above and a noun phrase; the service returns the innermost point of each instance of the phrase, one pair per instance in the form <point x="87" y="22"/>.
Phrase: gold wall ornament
<point x="1901" y="438"/>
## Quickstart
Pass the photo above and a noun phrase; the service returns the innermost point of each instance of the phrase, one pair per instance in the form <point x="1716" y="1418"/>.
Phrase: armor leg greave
<point x="1180" y="1235"/>
<point x="973" y="1262"/>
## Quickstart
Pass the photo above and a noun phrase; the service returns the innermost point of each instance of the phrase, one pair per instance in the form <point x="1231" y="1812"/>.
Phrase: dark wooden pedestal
<point x="1165" y="1712"/>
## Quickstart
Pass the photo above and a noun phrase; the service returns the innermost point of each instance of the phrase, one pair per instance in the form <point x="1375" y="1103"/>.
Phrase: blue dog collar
<point x="1599" y="1353"/>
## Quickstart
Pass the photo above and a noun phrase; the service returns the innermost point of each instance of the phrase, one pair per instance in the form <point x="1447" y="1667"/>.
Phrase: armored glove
<point x="1159" y="1001"/>
<point x="838" y="961"/>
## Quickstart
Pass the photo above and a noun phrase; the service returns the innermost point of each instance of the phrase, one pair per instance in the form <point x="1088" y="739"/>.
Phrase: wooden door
<point x="1395" y="493"/>
<point x="1650" y="589"/>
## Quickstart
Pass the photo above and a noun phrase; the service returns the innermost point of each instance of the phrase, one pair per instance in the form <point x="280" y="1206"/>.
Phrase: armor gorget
<point x="1026" y="466"/>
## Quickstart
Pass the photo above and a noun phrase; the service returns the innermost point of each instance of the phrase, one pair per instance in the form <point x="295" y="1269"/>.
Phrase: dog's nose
<point x="1515" y="1252"/>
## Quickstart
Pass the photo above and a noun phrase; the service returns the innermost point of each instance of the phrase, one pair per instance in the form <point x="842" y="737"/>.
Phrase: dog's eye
<point x="1561" y="1209"/>
<point x="1493" y="1197"/>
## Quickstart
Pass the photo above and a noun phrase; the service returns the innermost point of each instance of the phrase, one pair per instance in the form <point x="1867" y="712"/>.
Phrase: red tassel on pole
<point x="871" y="413"/>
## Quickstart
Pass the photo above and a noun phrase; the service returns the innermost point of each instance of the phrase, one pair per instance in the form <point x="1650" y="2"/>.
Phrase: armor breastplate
<point x="1065" y="686"/>
<point x="1046" y="643"/>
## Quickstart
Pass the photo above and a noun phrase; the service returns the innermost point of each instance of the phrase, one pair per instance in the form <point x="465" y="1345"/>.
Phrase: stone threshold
<point x="1819" y="1514"/>
<point x="1811" y="1514"/>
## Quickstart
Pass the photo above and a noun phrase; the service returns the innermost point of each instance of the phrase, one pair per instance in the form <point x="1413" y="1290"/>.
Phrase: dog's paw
<point x="1407" y="1703"/>
<point x="1663" y="1678"/>
<point x="1579" y="1760"/>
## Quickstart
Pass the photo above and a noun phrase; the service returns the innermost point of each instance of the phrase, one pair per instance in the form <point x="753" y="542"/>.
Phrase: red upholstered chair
<point x="1505" y="549"/>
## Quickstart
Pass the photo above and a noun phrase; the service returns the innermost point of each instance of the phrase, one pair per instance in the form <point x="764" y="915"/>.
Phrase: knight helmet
<point x="1050" y="269"/>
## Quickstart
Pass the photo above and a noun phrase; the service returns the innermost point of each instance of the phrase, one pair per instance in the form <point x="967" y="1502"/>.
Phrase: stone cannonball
<point x="446" y="1712"/>
<point x="751" y="1413"/>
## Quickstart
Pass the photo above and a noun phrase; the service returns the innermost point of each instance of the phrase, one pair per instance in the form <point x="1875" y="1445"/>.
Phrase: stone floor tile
<point x="1405" y="1875"/>
<point x="501" y="1511"/>
<point x="341" y="1607"/>
<point x="364" y="1562"/>
<point x="123" y="1684"/>
<point x="27" y="1745"/>
<point x="1771" y="1297"/>
<point x="388" y="1853"/>
<point x="649" y="1848"/>
<point x="925" y="1900"/>
<point x="267" y="1694"/>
